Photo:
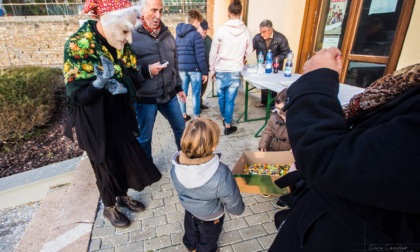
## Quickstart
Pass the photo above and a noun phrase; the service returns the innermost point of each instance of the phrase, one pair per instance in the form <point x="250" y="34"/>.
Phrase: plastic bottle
<point x="276" y="65"/>
<point x="269" y="62"/>
<point x="261" y="69"/>
<point x="289" y="64"/>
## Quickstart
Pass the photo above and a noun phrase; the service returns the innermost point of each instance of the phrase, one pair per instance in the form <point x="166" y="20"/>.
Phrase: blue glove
<point x="103" y="76"/>
<point x="114" y="87"/>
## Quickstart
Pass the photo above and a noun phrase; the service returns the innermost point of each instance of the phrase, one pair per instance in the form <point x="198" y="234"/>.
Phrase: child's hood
<point x="194" y="176"/>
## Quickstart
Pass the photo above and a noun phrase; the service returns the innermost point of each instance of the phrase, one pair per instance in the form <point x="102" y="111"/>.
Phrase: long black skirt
<point x="126" y="166"/>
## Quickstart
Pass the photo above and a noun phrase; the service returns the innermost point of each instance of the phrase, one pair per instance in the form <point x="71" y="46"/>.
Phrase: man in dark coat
<point x="360" y="163"/>
<point x="204" y="26"/>
<point x="269" y="39"/>
<point x="161" y="86"/>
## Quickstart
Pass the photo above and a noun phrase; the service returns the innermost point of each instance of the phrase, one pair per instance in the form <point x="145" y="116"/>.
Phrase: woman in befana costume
<point x="98" y="68"/>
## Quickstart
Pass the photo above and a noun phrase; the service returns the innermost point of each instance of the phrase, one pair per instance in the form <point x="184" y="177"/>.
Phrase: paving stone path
<point x="160" y="226"/>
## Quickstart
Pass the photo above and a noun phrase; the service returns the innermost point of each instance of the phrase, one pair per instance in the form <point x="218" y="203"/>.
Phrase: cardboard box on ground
<point x="260" y="184"/>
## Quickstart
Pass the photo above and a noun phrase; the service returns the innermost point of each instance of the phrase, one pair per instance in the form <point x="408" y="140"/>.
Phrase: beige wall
<point x="286" y="15"/>
<point x="220" y="13"/>
<point x="411" y="50"/>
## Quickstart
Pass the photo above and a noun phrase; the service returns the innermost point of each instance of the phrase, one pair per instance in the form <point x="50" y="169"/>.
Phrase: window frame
<point x="312" y="23"/>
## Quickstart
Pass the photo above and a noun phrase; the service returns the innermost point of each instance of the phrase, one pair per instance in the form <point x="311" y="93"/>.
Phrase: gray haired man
<point x="269" y="39"/>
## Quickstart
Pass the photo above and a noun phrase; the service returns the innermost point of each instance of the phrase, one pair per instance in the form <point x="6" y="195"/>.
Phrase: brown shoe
<point x="260" y="105"/>
<point x="116" y="218"/>
<point x="128" y="202"/>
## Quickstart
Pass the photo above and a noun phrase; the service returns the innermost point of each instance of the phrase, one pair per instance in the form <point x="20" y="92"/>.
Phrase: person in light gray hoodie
<point x="206" y="187"/>
<point x="231" y="45"/>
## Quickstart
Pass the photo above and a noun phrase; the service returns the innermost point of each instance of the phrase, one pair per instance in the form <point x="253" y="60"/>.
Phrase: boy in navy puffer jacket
<point x="191" y="60"/>
<point x="205" y="186"/>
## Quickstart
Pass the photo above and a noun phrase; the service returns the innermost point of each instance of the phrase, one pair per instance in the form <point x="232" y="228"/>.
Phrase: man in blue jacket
<point x="191" y="59"/>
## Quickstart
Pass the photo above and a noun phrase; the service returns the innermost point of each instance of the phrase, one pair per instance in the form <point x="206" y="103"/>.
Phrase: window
<point x="369" y="33"/>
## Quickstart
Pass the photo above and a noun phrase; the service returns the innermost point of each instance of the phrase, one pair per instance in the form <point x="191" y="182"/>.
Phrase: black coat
<point x="362" y="176"/>
<point x="91" y="119"/>
<point x="279" y="46"/>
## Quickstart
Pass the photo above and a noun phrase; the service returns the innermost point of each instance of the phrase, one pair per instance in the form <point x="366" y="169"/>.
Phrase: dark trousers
<point x="201" y="235"/>
<point x="203" y="90"/>
<point x="264" y="96"/>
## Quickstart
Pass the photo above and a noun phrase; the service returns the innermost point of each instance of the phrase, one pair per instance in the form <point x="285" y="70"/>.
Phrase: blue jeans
<point x="146" y="116"/>
<point x="227" y="88"/>
<point x="195" y="79"/>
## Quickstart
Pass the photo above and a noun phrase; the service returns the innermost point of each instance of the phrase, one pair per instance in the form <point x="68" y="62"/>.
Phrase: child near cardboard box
<point x="206" y="187"/>
<point x="274" y="136"/>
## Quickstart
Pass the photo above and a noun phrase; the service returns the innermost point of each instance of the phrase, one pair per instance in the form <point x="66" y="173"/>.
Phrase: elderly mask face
<point x="118" y="25"/>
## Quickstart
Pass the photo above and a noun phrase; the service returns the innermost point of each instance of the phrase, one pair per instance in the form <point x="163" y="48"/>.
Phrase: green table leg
<point x="211" y="95"/>
<point x="267" y="112"/>
<point x="245" y="113"/>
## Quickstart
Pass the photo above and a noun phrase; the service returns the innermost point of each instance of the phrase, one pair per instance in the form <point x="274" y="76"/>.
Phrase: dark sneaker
<point x="128" y="202"/>
<point x="116" y="218"/>
<point x="230" y="130"/>
<point x="224" y="124"/>
<point x="281" y="205"/>
<point x="203" y="107"/>
<point x="187" y="118"/>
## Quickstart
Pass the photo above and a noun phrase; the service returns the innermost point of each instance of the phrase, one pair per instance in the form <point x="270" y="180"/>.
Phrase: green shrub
<point x="26" y="99"/>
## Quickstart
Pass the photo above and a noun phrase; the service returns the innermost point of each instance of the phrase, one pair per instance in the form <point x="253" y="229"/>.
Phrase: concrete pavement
<point x="160" y="227"/>
<point x="73" y="227"/>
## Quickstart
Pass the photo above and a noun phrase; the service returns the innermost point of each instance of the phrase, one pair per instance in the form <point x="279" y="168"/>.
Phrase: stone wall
<point x="39" y="40"/>
<point x="34" y="40"/>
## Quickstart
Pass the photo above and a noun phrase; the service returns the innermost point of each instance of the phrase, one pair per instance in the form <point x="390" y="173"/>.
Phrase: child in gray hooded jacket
<point x="205" y="186"/>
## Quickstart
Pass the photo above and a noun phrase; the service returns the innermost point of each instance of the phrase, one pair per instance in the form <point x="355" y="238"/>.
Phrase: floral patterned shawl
<point x="383" y="90"/>
<point x="83" y="50"/>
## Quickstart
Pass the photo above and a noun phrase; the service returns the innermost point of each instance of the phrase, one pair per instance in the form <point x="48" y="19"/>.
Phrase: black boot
<point x="128" y="202"/>
<point x="280" y="217"/>
<point x="116" y="218"/>
<point x="230" y="130"/>
<point x="202" y="106"/>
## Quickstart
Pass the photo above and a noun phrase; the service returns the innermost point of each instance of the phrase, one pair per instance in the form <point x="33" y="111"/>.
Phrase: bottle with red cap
<point x="276" y="65"/>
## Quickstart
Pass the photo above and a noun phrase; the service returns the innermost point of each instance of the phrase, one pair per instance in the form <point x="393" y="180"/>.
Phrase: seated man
<point x="269" y="39"/>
